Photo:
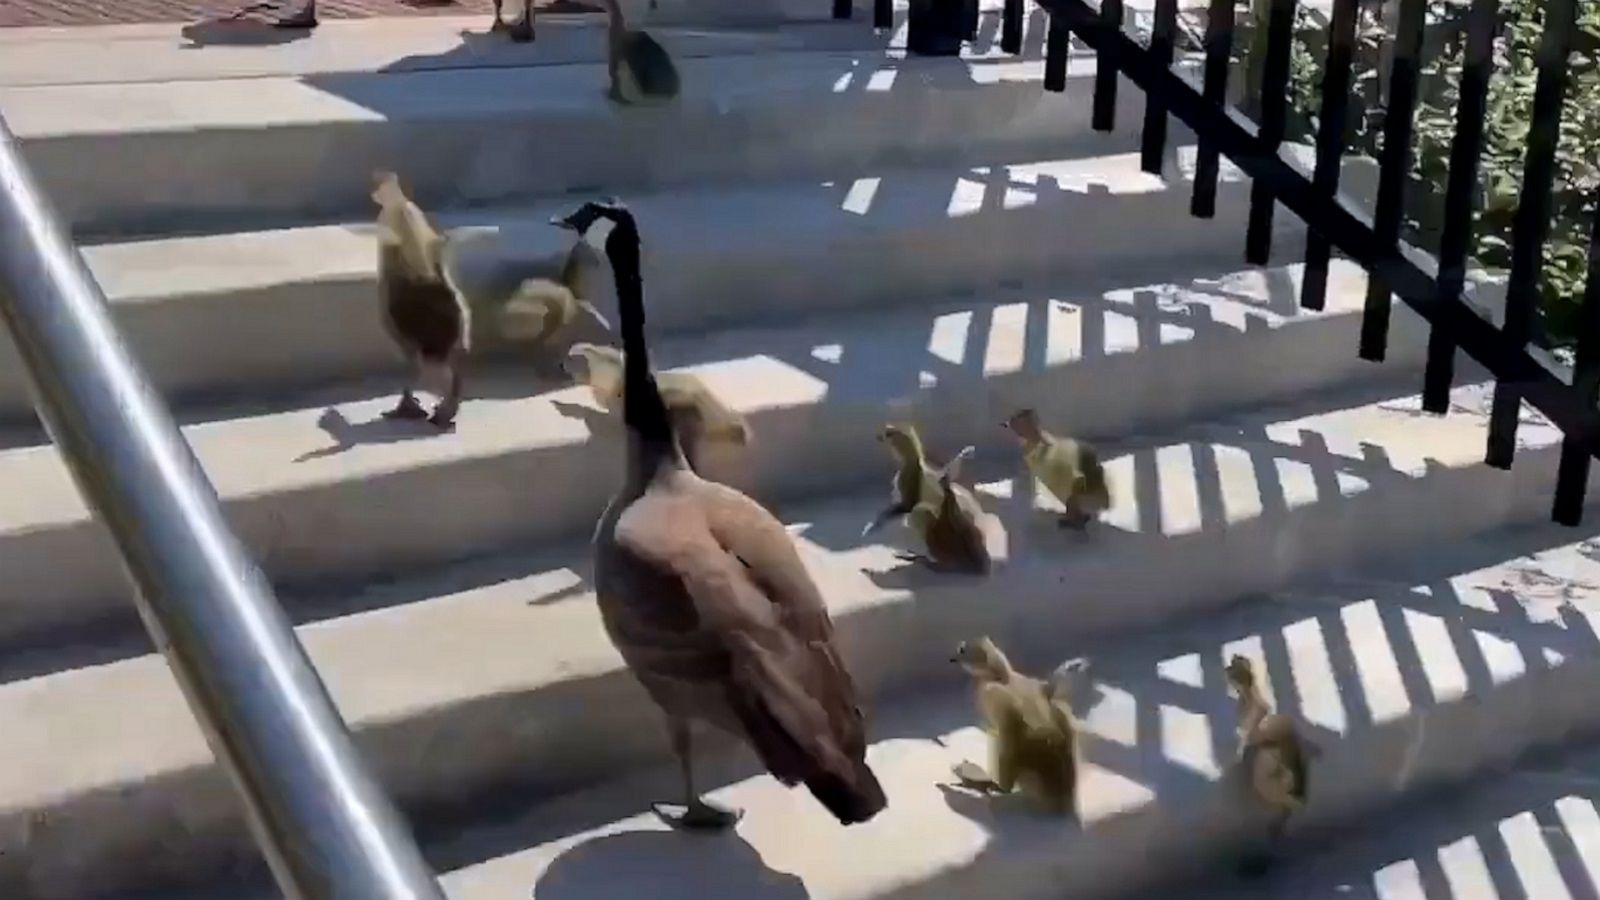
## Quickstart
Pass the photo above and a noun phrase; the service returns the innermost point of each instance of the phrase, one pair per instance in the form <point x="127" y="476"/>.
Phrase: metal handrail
<point x="326" y="828"/>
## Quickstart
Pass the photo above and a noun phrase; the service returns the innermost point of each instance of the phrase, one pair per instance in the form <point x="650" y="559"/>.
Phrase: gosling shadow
<point x="665" y="865"/>
<point x="598" y="421"/>
<point x="348" y="435"/>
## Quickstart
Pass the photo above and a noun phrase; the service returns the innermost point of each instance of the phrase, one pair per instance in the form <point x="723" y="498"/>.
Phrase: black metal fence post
<point x="1532" y="220"/>
<point x="1572" y="478"/>
<point x="1153" y="141"/>
<point x="1394" y="168"/>
<point x="1219" y="46"/>
<point x="883" y="14"/>
<point x="1103" y="117"/>
<point x="1011" y="27"/>
<point x="1274" y="114"/>
<point x="1461" y="189"/>
<point x="1058" y="43"/>
<point x="1330" y="144"/>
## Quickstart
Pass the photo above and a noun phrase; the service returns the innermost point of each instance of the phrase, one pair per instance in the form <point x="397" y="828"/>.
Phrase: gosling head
<point x="600" y="223"/>
<point x="386" y="190"/>
<point x="982" y="659"/>
<point x="585" y="362"/>
<point x="1024" y="423"/>
<point x="901" y="440"/>
<point x="1241" y="675"/>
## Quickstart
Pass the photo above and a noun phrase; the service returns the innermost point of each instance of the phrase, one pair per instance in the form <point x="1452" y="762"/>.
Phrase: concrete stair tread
<point x="433" y="667"/>
<point x="725" y="218"/>
<point x="317" y="486"/>
<point x="870" y="358"/>
<point x="1463" y="646"/>
<point x="751" y="75"/>
<point x="488" y="126"/>
<point x="133" y="54"/>
<point x="1530" y="831"/>
<point x="258" y="311"/>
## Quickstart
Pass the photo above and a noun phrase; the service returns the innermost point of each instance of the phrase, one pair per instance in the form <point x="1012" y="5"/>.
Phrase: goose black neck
<point x="643" y="410"/>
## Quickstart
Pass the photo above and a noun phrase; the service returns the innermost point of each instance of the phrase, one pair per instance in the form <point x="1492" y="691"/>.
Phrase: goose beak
<point x="561" y="222"/>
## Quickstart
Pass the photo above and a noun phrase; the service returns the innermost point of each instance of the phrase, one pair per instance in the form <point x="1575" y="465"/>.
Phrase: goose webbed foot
<point x="305" y="17"/>
<point x="1074" y="519"/>
<point x="698" y="815"/>
<point x="443" y="418"/>
<point x="408" y="408"/>
<point x="1255" y="865"/>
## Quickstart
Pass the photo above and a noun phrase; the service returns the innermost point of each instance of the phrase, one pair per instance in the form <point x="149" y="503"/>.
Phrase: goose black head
<point x="601" y="223"/>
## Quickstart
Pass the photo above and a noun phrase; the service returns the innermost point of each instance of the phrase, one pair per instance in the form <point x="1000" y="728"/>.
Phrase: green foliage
<point x="1510" y="111"/>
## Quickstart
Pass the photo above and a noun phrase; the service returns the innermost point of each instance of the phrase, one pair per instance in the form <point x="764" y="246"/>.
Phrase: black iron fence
<point x="1375" y="244"/>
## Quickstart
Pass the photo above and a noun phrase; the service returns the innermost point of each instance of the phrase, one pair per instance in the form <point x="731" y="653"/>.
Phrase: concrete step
<point x="492" y="682"/>
<point x="466" y="128"/>
<point x="262" y="312"/>
<point x="1428" y="676"/>
<point x="327" y="488"/>
<point x="1531" y="831"/>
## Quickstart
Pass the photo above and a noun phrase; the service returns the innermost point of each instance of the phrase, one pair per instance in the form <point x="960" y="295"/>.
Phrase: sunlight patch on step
<point x="859" y="198"/>
<point x="1465" y="869"/>
<point x="1008" y="339"/>
<point x="1063" y="332"/>
<point x="1399" y="881"/>
<point x="1186" y="740"/>
<point x="1441" y="665"/>
<point x="1241" y="494"/>
<point x="949" y="338"/>
<point x="1180" y="496"/>
<point x="828" y="353"/>
<point x="1314" y="678"/>
<point x="1376" y="667"/>
<point x="1124" y="511"/>
<point x="1184" y="670"/>
<point x="1115" y="717"/>
<point x="1530" y="857"/>
<point x="1582" y="824"/>
<point x="1503" y="658"/>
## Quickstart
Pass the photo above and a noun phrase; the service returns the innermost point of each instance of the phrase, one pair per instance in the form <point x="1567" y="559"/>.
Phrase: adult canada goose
<point x="704" y="594"/>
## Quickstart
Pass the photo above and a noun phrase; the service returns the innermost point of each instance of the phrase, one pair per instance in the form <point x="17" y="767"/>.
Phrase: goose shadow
<point x="240" y="32"/>
<point x="348" y="435"/>
<point x="664" y="865"/>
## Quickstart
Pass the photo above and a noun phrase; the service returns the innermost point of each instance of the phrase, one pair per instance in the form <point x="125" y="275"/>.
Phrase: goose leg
<point x="499" y="21"/>
<point x="523" y="30"/>
<point x="698" y="814"/>
<point x="408" y="407"/>
<point x="444" y="415"/>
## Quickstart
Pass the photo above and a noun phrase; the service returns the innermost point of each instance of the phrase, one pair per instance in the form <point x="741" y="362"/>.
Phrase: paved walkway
<point x="23" y="13"/>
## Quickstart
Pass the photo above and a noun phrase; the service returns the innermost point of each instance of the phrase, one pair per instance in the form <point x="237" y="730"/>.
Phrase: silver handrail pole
<point x="327" y="830"/>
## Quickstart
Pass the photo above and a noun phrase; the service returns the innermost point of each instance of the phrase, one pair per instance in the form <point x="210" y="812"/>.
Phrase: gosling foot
<point x="407" y="408"/>
<point x="699" y="815"/>
<point x="443" y="419"/>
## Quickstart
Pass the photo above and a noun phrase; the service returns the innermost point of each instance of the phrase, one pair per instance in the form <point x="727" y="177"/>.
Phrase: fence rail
<point x="1332" y="221"/>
